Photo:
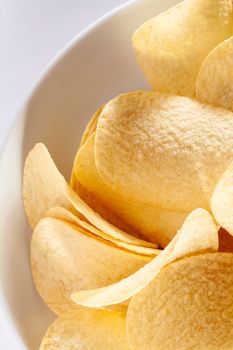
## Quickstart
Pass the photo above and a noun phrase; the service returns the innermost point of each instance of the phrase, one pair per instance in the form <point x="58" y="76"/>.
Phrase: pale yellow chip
<point x="153" y="223"/>
<point x="94" y="218"/>
<point x="44" y="187"/>
<point x="162" y="150"/>
<point x="222" y="200"/>
<point x="91" y="200"/>
<point x="187" y="306"/>
<point x="65" y="258"/>
<point x="197" y="235"/>
<point x="214" y="81"/>
<point x="87" y="330"/>
<point x="91" y="126"/>
<point x="171" y="47"/>
<point x="65" y="215"/>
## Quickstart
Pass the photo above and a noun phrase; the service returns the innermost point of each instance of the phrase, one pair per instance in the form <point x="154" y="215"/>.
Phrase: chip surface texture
<point x="189" y="305"/>
<point x="163" y="150"/>
<point x="87" y="330"/>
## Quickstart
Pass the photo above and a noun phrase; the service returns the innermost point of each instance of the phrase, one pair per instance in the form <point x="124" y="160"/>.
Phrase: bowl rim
<point x="41" y="76"/>
<point x="16" y="341"/>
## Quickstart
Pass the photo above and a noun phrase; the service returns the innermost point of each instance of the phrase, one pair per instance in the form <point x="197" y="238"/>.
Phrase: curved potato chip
<point x="153" y="223"/>
<point x="91" y="126"/>
<point x="187" y="306"/>
<point x="44" y="187"/>
<point x="65" y="259"/>
<point x="162" y="150"/>
<point x="94" y="218"/>
<point x="92" y="201"/>
<point x="171" y="47"/>
<point x="214" y="81"/>
<point x="65" y="215"/>
<point x="222" y="200"/>
<point x="87" y="329"/>
<point x="197" y="234"/>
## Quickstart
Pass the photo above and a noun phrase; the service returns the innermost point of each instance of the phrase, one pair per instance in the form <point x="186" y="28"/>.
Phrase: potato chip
<point x="82" y="160"/>
<point x="162" y="150"/>
<point x="222" y="200"/>
<point x="198" y="234"/>
<point x="171" y="47"/>
<point x="44" y="187"/>
<point x="91" y="200"/>
<point x="94" y="218"/>
<point x="214" y="81"/>
<point x="153" y="223"/>
<point x="65" y="215"/>
<point x="65" y="259"/>
<point x="189" y="305"/>
<point x="91" y="126"/>
<point x="87" y="330"/>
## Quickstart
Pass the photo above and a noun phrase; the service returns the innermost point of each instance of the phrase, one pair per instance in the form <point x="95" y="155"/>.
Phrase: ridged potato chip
<point x="189" y="305"/>
<point x="65" y="258"/>
<point x="214" y="81"/>
<point x="171" y="47"/>
<point x="222" y="200"/>
<point x="87" y="330"/>
<point x="147" y="221"/>
<point x="67" y="216"/>
<point x="198" y="234"/>
<point x="162" y="150"/>
<point x="44" y="188"/>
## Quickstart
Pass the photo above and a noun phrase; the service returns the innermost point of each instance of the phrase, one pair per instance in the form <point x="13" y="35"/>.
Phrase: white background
<point x="31" y="33"/>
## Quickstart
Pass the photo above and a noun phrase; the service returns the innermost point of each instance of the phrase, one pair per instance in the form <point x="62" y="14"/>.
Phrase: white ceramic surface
<point x="94" y="67"/>
<point x="31" y="33"/>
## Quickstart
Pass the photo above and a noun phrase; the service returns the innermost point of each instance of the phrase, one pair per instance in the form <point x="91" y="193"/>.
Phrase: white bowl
<point x="93" y="68"/>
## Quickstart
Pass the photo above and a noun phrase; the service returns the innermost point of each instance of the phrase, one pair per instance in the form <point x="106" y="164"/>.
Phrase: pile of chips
<point x="137" y="251"/>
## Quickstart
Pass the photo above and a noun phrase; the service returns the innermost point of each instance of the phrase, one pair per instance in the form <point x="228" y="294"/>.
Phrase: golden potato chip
<point x="91" y="200"/>
<point x="87" y="329"/>
<point x="222" y="200"/>
<point x="153" y="223"/>
<point x="162" y="150"/>
<point x="214" y="81"/>
<point x="44" y="187"/>
<point x="91" y="126"/>
<point x="198" y="234"/>
<point x="189" y="305"/>
<point x="65" y="259"/>
<point x="171" y="47"/>
<point x="94" y="218"/>
<point x="65" y="215"/>
<point x="82" y="160"/>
